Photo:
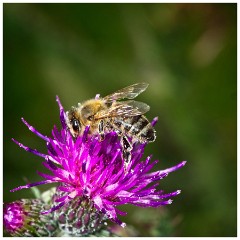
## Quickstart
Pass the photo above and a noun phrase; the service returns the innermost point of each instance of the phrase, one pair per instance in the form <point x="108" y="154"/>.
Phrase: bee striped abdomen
<point x="137" y="127"/>
<point x="143" y="129"/>
<point x="148" y="133"/>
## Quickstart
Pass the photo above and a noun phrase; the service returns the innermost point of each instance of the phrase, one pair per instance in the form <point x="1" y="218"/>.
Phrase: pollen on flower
<point x="86" y="168"/>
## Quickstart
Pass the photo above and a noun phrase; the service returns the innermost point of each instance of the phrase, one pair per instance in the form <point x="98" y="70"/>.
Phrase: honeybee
<point x="109" y="114"/>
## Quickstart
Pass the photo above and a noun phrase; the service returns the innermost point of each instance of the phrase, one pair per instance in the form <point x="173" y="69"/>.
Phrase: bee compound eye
<point x="75" y="125"/>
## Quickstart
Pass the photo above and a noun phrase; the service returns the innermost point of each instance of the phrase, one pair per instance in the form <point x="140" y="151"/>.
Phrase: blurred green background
<point x="188" y="55"/>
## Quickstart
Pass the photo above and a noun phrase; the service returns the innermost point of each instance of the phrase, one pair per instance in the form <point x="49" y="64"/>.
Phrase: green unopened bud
<point x="80" y="218"/>
<point x="22" y="218"/>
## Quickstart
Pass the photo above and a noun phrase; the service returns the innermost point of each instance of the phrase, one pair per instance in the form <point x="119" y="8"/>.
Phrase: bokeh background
<point x="188" y="55"/>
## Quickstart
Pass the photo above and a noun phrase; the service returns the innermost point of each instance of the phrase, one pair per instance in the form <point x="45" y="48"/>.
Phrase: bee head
<point x="73" y="122"/>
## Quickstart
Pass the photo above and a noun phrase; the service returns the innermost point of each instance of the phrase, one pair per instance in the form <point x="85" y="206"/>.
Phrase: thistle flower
<point x="93" y="171"/>
<point x="22" y="218"/>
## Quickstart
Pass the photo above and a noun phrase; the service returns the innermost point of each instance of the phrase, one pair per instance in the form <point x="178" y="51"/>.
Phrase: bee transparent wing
<point x="124" y="109"/>
<point x="129" y="92"/>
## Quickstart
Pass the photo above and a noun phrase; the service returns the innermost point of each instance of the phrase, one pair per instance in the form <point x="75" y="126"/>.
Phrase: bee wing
<point x="129" y="92"/>
<point x="124" y="109"/>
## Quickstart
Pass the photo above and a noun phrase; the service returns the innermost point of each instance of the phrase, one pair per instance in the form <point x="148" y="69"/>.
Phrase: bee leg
<point x="100" y="130"/>
<point x="126" y="151"/>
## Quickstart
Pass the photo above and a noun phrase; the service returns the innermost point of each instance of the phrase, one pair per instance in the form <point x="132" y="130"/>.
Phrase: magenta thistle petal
<point x="34" y="151"/>
<point x="154" y="121"/>
<point x="32" y="185"/>
<point x="56" y="207"/>
<point x="32" y="129"/>
<point x="62" y="113"/>
<point x="86" y="168"/>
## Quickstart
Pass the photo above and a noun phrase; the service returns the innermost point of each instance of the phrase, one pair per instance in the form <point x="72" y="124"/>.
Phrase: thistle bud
<point x="22" y="218"/>
<point x="79" y="217"/>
